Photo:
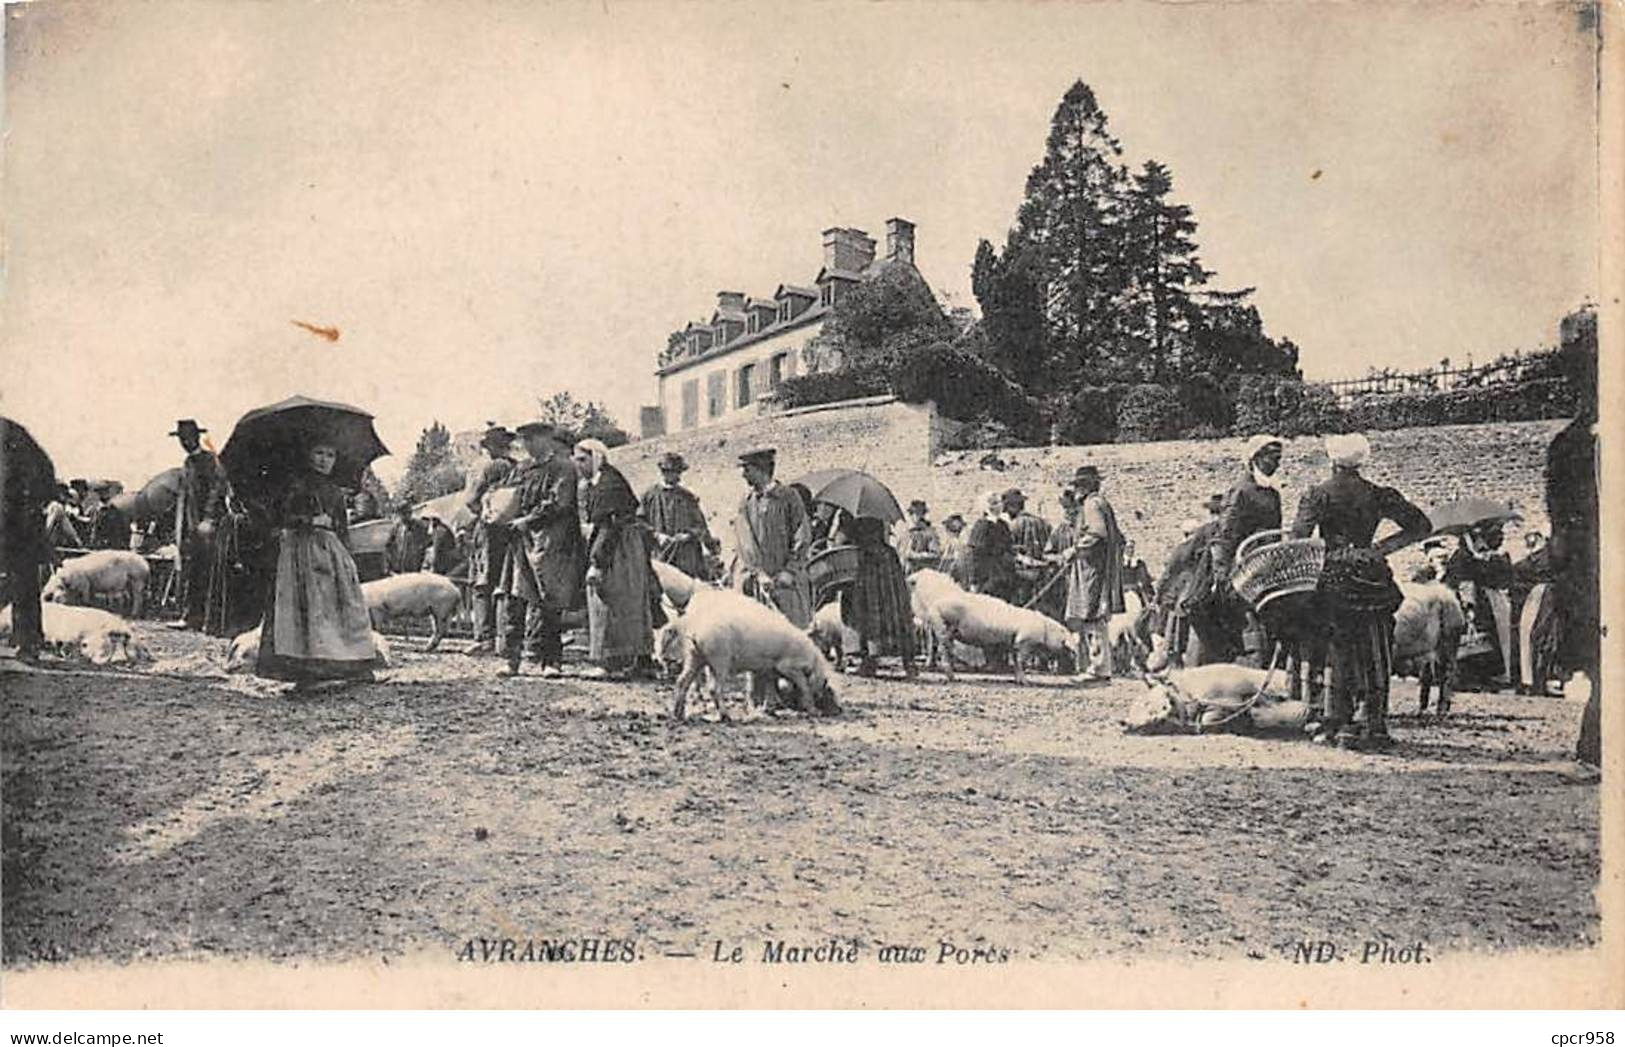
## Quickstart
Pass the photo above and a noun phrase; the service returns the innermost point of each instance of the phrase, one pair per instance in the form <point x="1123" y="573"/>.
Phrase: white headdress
<point x="1348" y="450"/>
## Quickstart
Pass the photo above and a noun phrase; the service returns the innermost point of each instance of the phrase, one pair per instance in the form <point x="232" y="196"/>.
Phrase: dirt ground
<point x="186" y="813"/>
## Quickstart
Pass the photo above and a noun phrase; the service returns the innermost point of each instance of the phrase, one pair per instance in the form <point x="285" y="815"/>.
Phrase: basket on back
<point x="1270" y="566"/>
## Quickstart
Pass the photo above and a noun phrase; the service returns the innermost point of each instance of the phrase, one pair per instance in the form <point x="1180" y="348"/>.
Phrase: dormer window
<point x="784" y="310"/>
<point x="826" y="294"/>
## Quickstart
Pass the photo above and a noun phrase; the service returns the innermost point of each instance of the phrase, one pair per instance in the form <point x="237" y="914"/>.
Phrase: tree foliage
<point x="1100" y="283"/>
<point x="583" y="420"/>
<point x="432" y="470"/>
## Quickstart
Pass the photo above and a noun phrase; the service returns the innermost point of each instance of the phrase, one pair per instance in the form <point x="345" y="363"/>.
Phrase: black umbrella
<point x="857" y="492"/>
<point x="269" y="444"/>
<point x="1464" y="514"/>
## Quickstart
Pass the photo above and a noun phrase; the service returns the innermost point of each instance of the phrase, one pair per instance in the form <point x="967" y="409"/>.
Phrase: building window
<point x="747" y="375"/>
<point x="691" y="403"/>
<point x="775" y="370"/>
<point x="716" y="393"/>
<point x="784" y="310"/>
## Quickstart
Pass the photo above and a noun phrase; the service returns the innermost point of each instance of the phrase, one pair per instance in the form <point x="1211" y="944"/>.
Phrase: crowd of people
<point x="559" y="538"/>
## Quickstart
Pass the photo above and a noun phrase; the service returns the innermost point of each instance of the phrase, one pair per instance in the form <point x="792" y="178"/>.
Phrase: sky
<point x="493" y="202"/>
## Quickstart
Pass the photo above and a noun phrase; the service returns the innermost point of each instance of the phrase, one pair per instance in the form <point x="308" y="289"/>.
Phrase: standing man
<point x="403" y="549"/>
<point x="1575" y="557"/>
<point x="1357" y="587"/>
<point x="202" y="498"/>
<point x="1094" y="584"/>
<point x="489" y="542"/>
<point x="1030" y="534"/>
<point x="922" y="548"/>
<point x="772" y="536"/>
<point x="682" y="537"/>
<point x="1252" y="505"/>
<point x="545" y="569"/>
<point x="27" y="486"/>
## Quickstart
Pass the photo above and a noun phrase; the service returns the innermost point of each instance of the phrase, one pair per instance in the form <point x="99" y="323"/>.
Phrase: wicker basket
<point x="832" y="569"/>
<point x="1266" y="572"/>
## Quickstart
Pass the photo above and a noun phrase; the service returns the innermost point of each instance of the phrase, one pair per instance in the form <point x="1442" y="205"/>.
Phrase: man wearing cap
<point x="772" y="538"/>
<point x="202" y="498"/>
<point x="1357" y="588"/>
<point x="488" y="543"/>
<point x="403" y="549"/>
<point x="109" y="525"/>
<point x="1094" y="584"/>
<point x="922" y="548"/>
<point x="1251" y="506"/>
<point x="1028" y="535"/>
<point x="545" y="570"/>
<point x="673" y="513"/>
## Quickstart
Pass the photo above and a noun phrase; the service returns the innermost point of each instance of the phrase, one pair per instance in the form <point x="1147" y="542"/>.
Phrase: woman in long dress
<point x="621" y="590"/>
<point x="316" y="626"/>
<point x="876" y="605"/>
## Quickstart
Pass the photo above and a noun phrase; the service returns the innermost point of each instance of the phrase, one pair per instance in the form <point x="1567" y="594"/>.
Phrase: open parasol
<point x="1464" y="514"/>
<point x="156" y="497"/>
<point x="450" y="509"/>
<point x="854" y="491"/>
<point x="269" y="444"/>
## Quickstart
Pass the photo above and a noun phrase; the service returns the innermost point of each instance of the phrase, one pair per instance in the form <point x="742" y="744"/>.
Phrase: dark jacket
<point x="1249" y="508"/>
<point x="1348" y="508"/>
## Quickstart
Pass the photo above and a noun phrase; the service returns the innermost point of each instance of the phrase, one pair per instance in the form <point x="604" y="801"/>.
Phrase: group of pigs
<point x="714" y="634"/>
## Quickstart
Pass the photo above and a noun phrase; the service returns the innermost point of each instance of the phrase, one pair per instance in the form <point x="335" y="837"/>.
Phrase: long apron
<point x="620" y="619"/>
<point x="316" y="625"/>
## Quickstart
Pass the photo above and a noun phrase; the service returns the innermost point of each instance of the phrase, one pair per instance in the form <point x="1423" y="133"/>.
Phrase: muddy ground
<point x="194" y="814"/>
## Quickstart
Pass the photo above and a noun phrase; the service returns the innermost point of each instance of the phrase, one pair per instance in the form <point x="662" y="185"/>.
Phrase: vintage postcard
<point x="720" y="505"/>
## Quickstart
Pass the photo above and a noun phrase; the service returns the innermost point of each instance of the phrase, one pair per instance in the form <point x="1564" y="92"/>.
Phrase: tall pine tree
<point x="1070" y="222"/>
<point x="1159" y="240"/>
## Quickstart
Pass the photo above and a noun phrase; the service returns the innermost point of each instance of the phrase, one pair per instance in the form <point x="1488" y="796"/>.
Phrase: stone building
<point x="719" y="370"/>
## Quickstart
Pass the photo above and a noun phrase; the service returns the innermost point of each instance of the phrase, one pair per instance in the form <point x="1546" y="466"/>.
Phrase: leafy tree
<point x="587" y="420"/>
<point x="432" y="470"/>
<point x="1012" y="334"/>
<point x="882" y="315"/>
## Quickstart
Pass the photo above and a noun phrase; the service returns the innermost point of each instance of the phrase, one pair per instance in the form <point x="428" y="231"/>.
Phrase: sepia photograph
<point x="842" y="505"/>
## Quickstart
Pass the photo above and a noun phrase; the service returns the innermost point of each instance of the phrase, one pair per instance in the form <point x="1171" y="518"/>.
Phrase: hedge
<point x="1150" y="412"/>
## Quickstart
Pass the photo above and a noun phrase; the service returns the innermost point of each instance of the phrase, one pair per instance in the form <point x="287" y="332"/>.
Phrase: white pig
<point x="98" y="636"/>
<point x="1214" y="695"/>
<point x="413" y="595"/>
<point x="677" y="587"/>
<point x="832" y="635"/>
<point x="106" y="572"/>
<point x="245" y="651"/>
<point x="727" y="632"/>
<point x="986" y="622"/>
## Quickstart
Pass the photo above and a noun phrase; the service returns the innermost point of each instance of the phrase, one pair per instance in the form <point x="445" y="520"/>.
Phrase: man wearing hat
<point x="109" y="525"/>
<point x="1357" y="588"/>
<point x="1252" y="505"/>
<point x="922" y="548"/>
<point x="202" y="499"/>
<point x="673" y="513"/>
<point x="1029" y="534"/>
<point x="488" y="544"/>
<point x="545" y="571"/>
<point x="772" y="538"/>
<point x="403" y="549"/>
<point x="1094" y="584"/>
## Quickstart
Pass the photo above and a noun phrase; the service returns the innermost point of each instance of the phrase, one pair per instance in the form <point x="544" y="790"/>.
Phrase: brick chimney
<point x="731" y="301"/>
<point x="848" y="249"/>
<point x="900" y="239"/>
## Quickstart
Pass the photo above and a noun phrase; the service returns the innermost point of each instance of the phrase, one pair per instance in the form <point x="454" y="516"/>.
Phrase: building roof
<point x="736" y="315"/>
<point x="839" y="274"/>
<point x="805" y="292"/>
<point x="812" y="315"/>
